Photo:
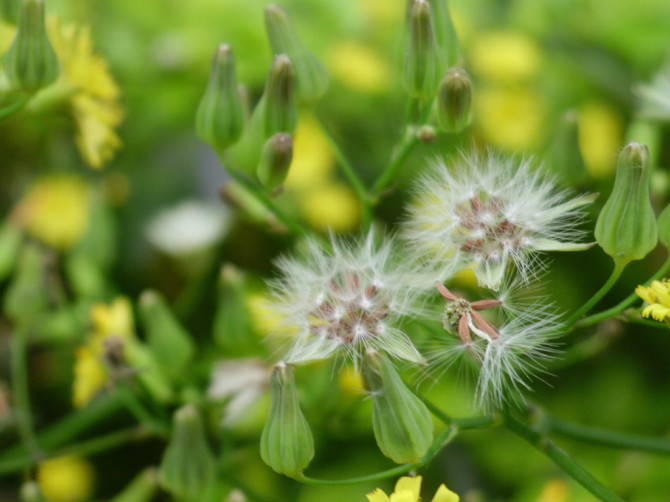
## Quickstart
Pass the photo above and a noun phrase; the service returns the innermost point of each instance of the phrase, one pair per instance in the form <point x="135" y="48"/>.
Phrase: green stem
<point x="89" y="447"/>
<point x="440" y="442"/>
<point x="20" y="391"/>
<point x="461" y="423"/>
<point x="351" y="175"/>
<point x="607" y="438"/>
<point x="561" y="459"/>
<point x="616" y="273"/>
<point x="625" y="303"/>
<point x="140" y="412"/>
<point x="400" y="154"/>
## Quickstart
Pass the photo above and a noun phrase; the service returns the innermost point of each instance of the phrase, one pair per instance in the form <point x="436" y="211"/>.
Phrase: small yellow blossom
<point x="55" y="211"/>
<point x="66" y="479"/>
<point x="505" y="57"/>
<point x="408" y="490"/>
<point x="313" y="157"/>
<point x="90" y="373"/>
<point x="359" y="67"/>
<point x="333" y="206"/>
<point x="600" y="135"/>
<point x="658" y="298"/>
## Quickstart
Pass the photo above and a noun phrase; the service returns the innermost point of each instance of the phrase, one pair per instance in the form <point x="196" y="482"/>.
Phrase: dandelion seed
<point x="346" y="301"/>
<point x="491" y="211"/>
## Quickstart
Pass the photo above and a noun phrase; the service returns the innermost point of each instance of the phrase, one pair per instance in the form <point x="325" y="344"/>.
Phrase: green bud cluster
<point x="286" y="442"/>
<point x="401" y="422"/>
<point x="31" y="62"/>
<point x="626" y="227"/>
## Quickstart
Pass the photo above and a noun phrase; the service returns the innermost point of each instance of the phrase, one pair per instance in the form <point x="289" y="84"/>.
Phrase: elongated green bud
<point x="401" y="422"/>
<point x="423" y="63"/>
<point x="26" y="297"/>
<point x="286" y="442"/>
<point x="566" y="156"/>
<point x="220" y="117"/>
<point x="275" y="161"/>
<point x="169" y="342"/>
<point x="454" y="101"/>
<point x="311" y="77"/>
<point x="278" y="111"/>
<point x="445" y="33"/>
<point x="188" y="467"/>
<point x="664" y="227"/>
<point x="31" y="62"/>
<point x="626" y="227"/>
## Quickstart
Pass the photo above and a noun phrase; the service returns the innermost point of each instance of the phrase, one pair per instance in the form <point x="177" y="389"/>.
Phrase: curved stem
<point x="622" y="305"/>
<point x="400" y="154"/>
<point x="440" y="442"/>
<point x="352" y="176"/>
<point x="561" y="459"/>
<point x="616" y="273"/>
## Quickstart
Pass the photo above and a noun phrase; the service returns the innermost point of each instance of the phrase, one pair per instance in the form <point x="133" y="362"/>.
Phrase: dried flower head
<point x="490" y="211"/>
<point x="346" y="300"/>
<point x="505" y="350"/>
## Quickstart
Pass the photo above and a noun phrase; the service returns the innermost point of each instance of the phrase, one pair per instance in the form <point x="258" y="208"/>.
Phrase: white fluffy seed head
<point x="493" y="211"/>
<point x="344" y="301"/>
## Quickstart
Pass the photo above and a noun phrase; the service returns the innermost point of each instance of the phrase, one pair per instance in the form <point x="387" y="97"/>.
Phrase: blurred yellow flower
<point x="55" y="211"/>
<point x="90" y="373"/>
<point x="505" y="57"/>
<point x="600" y="135"/>
<point x="658" y="298"/>
<point x="408" y="489"/>
<point x="359" y="67"/>
<point x="333" y="206"/>
<point x="510" y="118"/>
<point x="556" y="490"/>
<point x="313" y="157"/>
<point x="66" y="479"/>
<point x="350" y="382"/>
<point x="265" y="318"/>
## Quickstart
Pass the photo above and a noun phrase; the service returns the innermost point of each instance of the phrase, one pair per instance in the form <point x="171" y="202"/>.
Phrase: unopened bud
<point x="275" y="161"/>
<point x="311" y="77"/>
<point x="454" y="101"/>
<point x="664" y="227"/>
<point x="565" y="153"/>
<point x="426" y="134"/>
<point x="232" y="329"/>
<point x="286" y="442"/>
<point x="188" y="467"/>
<point x="26" y="297"/>
<point x="423" y="63"/>
<point x="445" y="33"/>
<point x="169" y="342"/>
<point x="278" y="111"/>
<point x="220" y="117"/>
<point x="31" y="62"/>
<point x="626" y="227"/>
<point x="9" y="10"/>
<point x="401" y="422"/>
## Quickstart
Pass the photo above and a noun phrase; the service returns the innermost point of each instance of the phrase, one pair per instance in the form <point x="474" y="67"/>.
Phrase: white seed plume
<point x="489" y="211"/>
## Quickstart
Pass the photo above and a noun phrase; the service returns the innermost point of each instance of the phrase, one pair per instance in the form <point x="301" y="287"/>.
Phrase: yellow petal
<point x="409" y="487"/>
<point x="378" y="496"/>
<point x="89" y="377"/>
<point x="644" y="293"/>
<point x="444" y="494"/>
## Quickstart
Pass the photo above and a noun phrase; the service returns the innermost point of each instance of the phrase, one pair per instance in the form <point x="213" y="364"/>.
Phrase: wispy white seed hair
<point x="491" y="211"/>
<point x="504" y="365"/>
<point x="344" y="301"/>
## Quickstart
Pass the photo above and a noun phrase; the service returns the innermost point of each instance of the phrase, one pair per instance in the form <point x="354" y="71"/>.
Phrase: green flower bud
<point x="9" y="10"/>
<point x="664" y="227"/>
<point x="454" y="101"/>
<point x="277" y="108"/>
<point x="220" y="117"/>
<point x="149" y="374"/>
<point x="27" y="298"/>
<point x="188" y="467"/>
<point x="401" y="422"/>
<point x="426" y="134"/>
<point x="626" y="226"/>
<point x="286" y="442"/>
<point x="566" y="156"/>
<point x="232" y="329"/>
<point x="31" y="62"/>
<point x="445" y="33"/>
<point x="423" y="64"/>
<point x="169" y="342"/>
<point x="275" y="161"/>
<point x="311" y="77"/>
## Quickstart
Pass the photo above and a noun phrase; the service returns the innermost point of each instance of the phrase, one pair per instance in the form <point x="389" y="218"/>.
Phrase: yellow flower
<point x="333" y="206"/>
<point x="66" y="479"/>
<point x="505" y="57"/>
<point x="600" y="135"/>
<point x="359" y="67"/>
<point x="90" y="373"/>
<point x="658" y="297"/>
<point x="408" y="490"/>
<point x="55" y="211"/>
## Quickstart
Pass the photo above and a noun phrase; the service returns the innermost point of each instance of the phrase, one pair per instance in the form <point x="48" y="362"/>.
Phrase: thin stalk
<point x="561" y="459"/>
<point x="352" y="176"/>
<point x="140" y="412"/>
<point x="607" y="438"/>
<point x="616" y="273"/>
<point x="20" y="391"/>
<point x="462" y="423"/>
<point x="440" y="442"/>
<point x="84" y="448"/>
<point x="622" y="305"/>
